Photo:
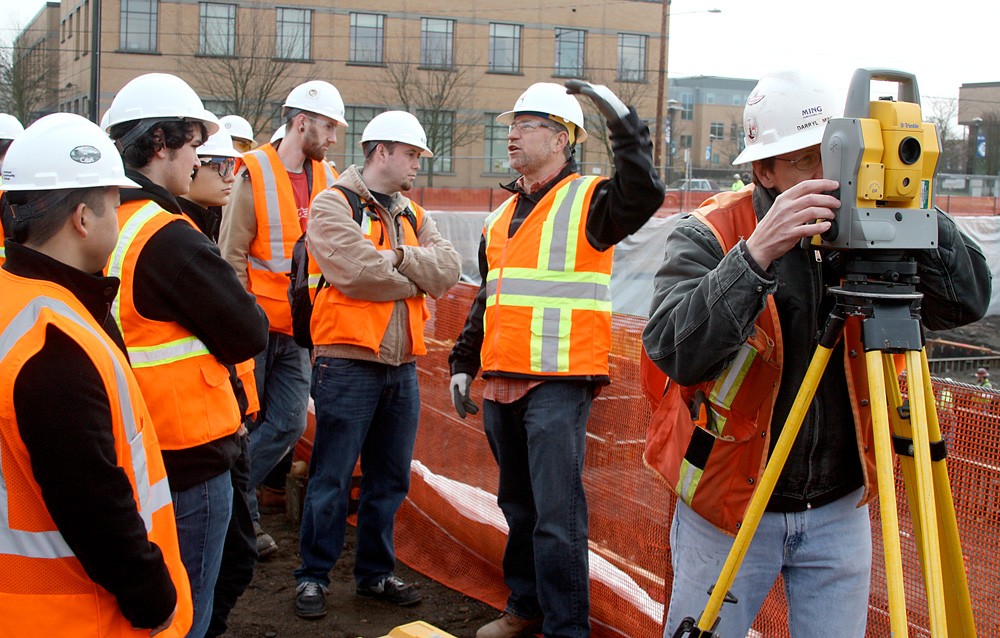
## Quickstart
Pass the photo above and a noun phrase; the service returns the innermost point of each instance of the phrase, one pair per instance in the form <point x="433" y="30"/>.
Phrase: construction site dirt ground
<point x="265" y="610"/>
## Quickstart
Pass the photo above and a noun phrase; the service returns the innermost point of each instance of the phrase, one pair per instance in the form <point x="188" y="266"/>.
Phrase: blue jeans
<point x="823" y="554"/>
<point x="539" y="442"/>
<point x="369" y="410"/>
<point x="282" y="375"/>
<point x="202" y="514"/>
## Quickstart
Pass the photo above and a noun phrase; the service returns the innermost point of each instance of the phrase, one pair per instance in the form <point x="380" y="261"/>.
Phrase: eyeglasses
<point x="326" y="125"/>
<point x="527" y="126"/>
<point x="806" y="163"/>
<point x="224" y="165"/>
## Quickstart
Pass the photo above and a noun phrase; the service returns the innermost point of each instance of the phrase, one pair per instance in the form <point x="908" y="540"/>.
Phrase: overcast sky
<point x="945" y="44"/>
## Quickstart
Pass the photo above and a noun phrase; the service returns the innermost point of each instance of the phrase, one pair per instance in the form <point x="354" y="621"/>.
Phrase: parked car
<point x="686" y="194"/>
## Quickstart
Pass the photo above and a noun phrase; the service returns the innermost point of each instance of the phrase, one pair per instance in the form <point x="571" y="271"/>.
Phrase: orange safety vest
<point x="44" y="590"/>
<point x="245" y="373"/>
<point x="548" y="301"/>
<point x="185" y="387"/>
<point x="6" y="231"/>
<point x="710" y="441"/>
<point x="270" y="257"/>
<point x="339" y="319"/>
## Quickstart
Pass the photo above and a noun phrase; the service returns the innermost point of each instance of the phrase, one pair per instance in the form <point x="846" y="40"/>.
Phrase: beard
<point x="313" y="146"/>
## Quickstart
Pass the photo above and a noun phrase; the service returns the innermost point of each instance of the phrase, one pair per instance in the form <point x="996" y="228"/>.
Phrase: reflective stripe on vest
<point x="147" y="356"/>
<point x="278" y="263"/>
<point x="553" y="289"/>
<point x="51" y="544"/>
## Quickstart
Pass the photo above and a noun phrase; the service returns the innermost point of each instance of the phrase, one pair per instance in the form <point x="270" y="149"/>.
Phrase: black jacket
<point x="620" y="206"/>
<point x="180" y="276"/>
<point x="64" y="418"/>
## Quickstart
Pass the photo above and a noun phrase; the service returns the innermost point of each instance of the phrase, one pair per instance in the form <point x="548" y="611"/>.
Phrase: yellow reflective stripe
<point x="540" y="303"/>
<point x="687" y="483"/>
<point x="728" y="383"/>
<point x="366" y="225"/>
<point x="492" y="218"/>
<point x="3" y="252"/>
<point x="540" y="274"/>
<point x="550" y="340"/>
<point x="161" y="354"/>
<point x="126" y="237"/>
<point x="276" y="242"/>
<point x="313" y="280"/>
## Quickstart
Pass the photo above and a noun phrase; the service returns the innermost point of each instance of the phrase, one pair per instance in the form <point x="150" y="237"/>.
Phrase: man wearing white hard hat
<point x="542" y="339"/>
<point x="380" y="255"/>
<point x="737" y="311"/>
<point x="10" y="128"/>
<point x="240" y="130"/>
<point x="266" y="215"/>
<point x="210" y="191"/>
<point x="184" y="315"/>
<point x="89" y="542"/>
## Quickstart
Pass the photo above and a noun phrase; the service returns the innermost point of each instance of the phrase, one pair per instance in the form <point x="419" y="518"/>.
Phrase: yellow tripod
<point x="880" y="292"/>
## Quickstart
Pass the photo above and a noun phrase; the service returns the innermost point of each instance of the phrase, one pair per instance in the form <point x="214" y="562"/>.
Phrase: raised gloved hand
<point x="459" y="385"/>
<point x="610" y="106"/>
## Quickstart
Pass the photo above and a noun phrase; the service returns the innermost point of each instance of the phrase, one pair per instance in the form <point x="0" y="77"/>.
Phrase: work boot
<point x="508" y="626"/>
<point x="310" y="600"/>
<point x="270" y="500"/>
<point x="392" y="589"/>
<point x="265" y="543"/>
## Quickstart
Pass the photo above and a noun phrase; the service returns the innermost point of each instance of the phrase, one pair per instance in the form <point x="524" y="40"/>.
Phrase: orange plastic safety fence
<point x="451" y="529"/>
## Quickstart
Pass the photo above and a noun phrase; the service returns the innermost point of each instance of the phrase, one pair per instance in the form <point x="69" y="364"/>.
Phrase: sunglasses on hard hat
<point x="224" y="165"/>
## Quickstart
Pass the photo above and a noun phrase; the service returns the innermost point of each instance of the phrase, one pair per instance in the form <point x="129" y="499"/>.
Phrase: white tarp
<point x="639" y="256"/>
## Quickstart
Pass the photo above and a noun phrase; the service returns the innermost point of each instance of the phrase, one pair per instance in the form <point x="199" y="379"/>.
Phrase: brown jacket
<point x="351" y="264"/>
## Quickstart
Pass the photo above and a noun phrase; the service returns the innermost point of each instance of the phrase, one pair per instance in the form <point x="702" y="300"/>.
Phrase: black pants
<point x="239" y="554"/>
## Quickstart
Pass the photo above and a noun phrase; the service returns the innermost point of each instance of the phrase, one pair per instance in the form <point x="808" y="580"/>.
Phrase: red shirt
<point x="300" y="187"/>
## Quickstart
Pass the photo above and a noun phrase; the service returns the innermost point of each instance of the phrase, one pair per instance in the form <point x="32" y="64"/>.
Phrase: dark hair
<point x="176" y="133"/>
<point x="4" y="145"/>
<point x="38" y="215"/>
<point x="369" y="147"/>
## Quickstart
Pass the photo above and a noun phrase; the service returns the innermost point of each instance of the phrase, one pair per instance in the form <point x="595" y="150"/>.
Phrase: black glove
<point x="460" y="384"/>
<point x="612" y="108"/>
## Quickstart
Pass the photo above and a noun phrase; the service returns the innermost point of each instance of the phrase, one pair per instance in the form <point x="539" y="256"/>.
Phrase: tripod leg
<point x="957" y="599"/>
<point x="765" y="487"/>
<point x="877" y="380"/>
<point x="926" y="523"/>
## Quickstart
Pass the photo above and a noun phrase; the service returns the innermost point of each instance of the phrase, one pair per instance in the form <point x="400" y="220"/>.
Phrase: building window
<point x="218" y="29"/>
<point x="710" y="98"/>
<point x="367" y="35"/>
<point x="138" y="25"/>
<point x="738" y="99"/>
<point x="569" y="52"/>
<point x="293" y="34"/>
<point x="357" y="118"/>
<point x="687" y="106"/>
<point x="686" y="141"/>
<point x="495" y="158"/>
<point x="440" y="127"/>
<point x="631" y="57"/>
<point x="505" y="48"/>
<point x="437" y="41"/>
<point x="86" y="28"/>
<point x="717" y="130"/>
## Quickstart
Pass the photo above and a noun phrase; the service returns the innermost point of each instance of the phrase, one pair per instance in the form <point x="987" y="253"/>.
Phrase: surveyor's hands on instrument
<point x="459" y="385"/>
<point x="610" y="106"/>
<point x="801" y="211"/>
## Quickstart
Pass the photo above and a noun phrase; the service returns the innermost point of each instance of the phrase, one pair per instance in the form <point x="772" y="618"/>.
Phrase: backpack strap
<point x="358" y="208"/>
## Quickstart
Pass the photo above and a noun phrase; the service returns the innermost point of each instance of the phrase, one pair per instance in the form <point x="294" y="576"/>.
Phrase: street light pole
<point x="661" y="81"/>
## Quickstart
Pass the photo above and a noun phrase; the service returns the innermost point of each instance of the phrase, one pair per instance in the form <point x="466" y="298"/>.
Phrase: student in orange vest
<point x="88" y="546"/>
<point x="735" y="318"/>
<point x="542" y="336"/>
<point x="184" y="315"/>
<point x="265" y="216"/>
<point x="380" y="258"/>
<point x="210" y="190"/>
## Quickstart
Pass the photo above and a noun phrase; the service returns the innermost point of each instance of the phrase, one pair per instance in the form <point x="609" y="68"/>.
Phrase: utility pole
<point x="661" y="81"/>
<point x="95" y="64"/>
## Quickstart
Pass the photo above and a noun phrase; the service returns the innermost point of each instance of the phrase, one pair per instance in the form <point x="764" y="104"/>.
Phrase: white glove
<point x="610" y="106"/>
<point x="459" y="385"/>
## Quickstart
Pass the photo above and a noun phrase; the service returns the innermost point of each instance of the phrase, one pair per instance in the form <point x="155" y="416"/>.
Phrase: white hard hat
<point x="787" y="111"/>
<point x="397" y="126"/>
<point x="10" y="127"/>
<point x="548" y="98"/>
<point x="237" y="127"/>
<point x="219" y="145"/>
<point x="104" y="120"/>
<point x="278" y="134"/>
<point x="63" y="151"/>
<point x="157" y="97"/>
<point x="317" y="96"/>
